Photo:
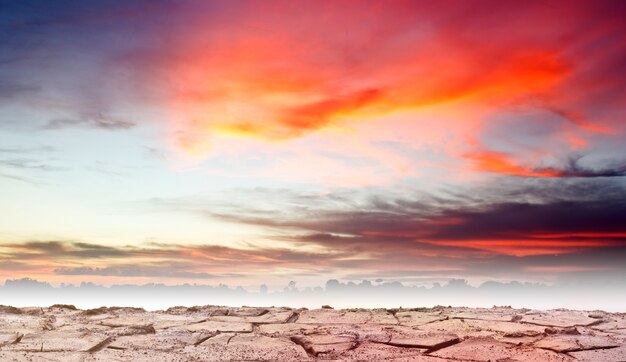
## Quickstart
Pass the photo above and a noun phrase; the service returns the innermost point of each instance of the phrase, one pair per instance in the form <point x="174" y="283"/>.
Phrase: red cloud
<point x="263" y="73"/>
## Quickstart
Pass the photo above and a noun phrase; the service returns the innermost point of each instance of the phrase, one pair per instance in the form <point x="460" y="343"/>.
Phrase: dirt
<point x="218" y="333"/>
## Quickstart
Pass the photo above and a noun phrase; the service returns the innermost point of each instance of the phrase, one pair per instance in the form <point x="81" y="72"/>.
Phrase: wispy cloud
<point x="152" y="271"/>
<point x="99" y="121"/>
<point x="545" y="224"/>
<point x="520" y="219"/>
<point x="515" y="230"/>
<point x="26" y="164"/>
<point x="158" y="260"/>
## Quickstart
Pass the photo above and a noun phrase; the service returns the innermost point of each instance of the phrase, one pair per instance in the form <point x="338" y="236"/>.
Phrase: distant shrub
<point x="7" y="309"/>
<point x="63" y="306"/>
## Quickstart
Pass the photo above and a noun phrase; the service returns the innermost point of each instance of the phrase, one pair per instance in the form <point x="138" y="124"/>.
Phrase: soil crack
<point x="293" y="318"/>
<point x="303" y="343"/>
<point x="201" y="340"/>
<point x="100" y="345"/>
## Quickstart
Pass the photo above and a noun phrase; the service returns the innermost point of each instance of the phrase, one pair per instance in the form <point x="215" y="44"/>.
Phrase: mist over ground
<point x="609" y="296"/>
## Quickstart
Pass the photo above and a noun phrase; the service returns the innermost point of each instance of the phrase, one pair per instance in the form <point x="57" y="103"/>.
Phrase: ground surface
<point x="210" y="333"/>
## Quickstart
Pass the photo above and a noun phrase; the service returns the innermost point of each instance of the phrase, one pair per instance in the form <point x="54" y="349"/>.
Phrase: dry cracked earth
<point x="212" y="333"/>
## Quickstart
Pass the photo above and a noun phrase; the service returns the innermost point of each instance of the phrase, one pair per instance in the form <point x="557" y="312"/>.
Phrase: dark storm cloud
<point x="555" y="227"/>
<point x="573" y="168"/>
<point x="598" y="208"/>
<point x="606" y="260"/>
<point x="523" y="219"/>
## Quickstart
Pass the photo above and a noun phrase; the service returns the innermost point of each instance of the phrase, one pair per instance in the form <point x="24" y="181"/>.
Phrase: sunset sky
<point x="250" y="142"/>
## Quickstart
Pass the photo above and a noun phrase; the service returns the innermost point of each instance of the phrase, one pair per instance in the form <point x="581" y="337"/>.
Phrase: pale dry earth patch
<point x="214" y="333"/>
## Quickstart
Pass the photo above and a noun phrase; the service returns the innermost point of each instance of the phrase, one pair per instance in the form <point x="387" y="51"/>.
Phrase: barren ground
<point x="211" y="333"/>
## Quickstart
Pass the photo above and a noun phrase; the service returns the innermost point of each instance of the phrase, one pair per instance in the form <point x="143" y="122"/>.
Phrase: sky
<point x="262" y="142"/>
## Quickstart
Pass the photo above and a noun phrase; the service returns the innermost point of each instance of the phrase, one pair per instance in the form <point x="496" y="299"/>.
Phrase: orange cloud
<point x="525" y="246"/>
<point x="499" y="162"/>
<point x="279" y="80"/>
<point x="246" y="103"/>
<point x="593" y="235"/>
<point x="280" y="72"/>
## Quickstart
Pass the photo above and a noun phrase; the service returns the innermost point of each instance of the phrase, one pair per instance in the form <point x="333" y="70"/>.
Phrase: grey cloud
<point x="28" y="164"/>
<point x="11" y="90"/>
<point x="598" y="210"/>
<point x="98" y="121"/>
<point x="157" y="259"/>
<point x="582" y="219"/>
<point x="62" y="250"/>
